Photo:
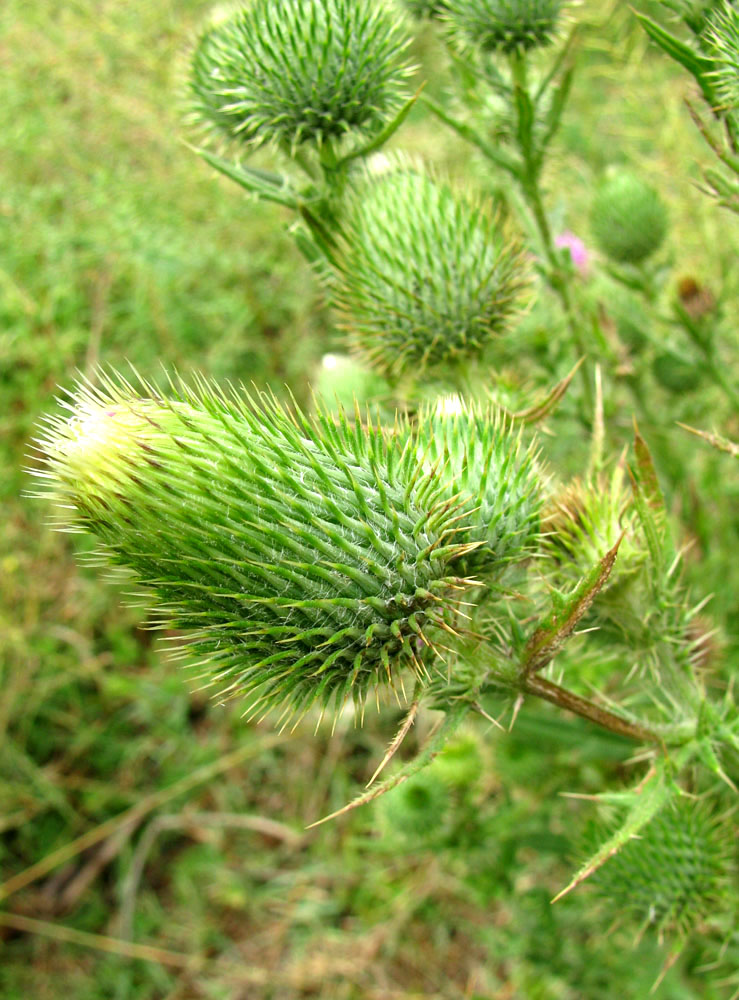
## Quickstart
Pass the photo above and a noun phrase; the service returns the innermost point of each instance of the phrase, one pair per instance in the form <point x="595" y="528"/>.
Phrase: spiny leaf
<point x="699" y="66"/>
<point x="650" y="507"/>
<point x="642" y="804"/>
<point x="552" y="634"/>
<point x="715" y="440"/>
<point x="452" y="720"/>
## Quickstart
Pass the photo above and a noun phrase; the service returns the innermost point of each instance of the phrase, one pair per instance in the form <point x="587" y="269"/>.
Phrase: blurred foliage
<point x="119" y="246"/>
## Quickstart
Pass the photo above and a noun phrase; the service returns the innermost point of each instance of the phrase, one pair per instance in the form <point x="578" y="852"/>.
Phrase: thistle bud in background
<point x="310" y="560"/>
<point x="675" y="873"/>
<point x="426" y="278"/>
<point x="480" y="457"/>
<point x="417" y="808"/>
<point x="628" y="218"/>
<point x="505" y="25"/>
<point x="299" y="71"/>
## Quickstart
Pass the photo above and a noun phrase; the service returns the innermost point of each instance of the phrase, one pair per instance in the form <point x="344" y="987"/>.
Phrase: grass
<point x="118" y="245"/>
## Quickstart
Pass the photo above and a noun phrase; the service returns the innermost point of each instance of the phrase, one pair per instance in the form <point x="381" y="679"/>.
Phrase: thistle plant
<point x="315" y="559"/>
<point x="712" y="59"/>
<point x="677" y="874"/>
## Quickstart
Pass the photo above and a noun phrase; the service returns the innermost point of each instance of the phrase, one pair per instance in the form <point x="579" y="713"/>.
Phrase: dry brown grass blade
<point x="100" y="942"/>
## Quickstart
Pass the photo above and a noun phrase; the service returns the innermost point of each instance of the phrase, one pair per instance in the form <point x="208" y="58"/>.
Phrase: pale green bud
<point x="475" y="451"/>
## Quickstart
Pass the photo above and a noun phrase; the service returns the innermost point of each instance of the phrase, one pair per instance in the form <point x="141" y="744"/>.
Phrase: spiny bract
<point x="476" y="453"/>
<point x="628" y="218"/>
<point x="311" y="560"/>
<point x="299" y="71"/>
<point x="504" y="25"/>
<point x="426" y="278"/>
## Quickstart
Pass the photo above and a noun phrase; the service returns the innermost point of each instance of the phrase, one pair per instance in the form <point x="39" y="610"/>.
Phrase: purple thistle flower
<point x="578" y="251"/>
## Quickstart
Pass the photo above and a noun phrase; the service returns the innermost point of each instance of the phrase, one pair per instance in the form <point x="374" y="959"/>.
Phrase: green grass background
<point x="118" y="245"/>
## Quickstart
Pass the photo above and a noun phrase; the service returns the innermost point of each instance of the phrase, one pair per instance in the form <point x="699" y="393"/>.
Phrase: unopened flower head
<point x="475" y="451"/>
<point x="310" y="561"/>
<point x="628" y="218"/>
<point x="427" y="277"/>
<point x="299" y="71"/>
<point x="504" y="25"/>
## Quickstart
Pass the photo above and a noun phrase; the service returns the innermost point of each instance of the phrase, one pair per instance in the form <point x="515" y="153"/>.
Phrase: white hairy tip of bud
<point x="449" y="406"/>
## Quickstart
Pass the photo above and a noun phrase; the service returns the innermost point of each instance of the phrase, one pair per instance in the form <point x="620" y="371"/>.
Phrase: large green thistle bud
<point x="299" y="71"/>
<point x="628" y="218"/>
<point x="676" y="872"/>
<point x="505" y="25"/>
<point x="476" y="453"/>
<point x="426" y="278"/>
<point x="310" y="560"/>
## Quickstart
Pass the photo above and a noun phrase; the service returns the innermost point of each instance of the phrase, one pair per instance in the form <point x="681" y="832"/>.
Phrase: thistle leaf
<point x="642" y="805"/>
<point x="551" y="635"/>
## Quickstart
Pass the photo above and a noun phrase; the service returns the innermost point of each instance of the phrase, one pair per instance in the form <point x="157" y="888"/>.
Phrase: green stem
<point x="529" y="181"/>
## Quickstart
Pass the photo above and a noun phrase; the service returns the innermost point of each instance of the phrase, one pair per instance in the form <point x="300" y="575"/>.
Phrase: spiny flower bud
<point x="310" y="560"/>
<point x="474" y="450"/>
<point x="426" y="278"/>
<point x="675" y="873"/>
<point x="417" y="807"/>
<point x="299" y="71"/>
<point x="505" y="25"/>
<point x="628" y="218"/>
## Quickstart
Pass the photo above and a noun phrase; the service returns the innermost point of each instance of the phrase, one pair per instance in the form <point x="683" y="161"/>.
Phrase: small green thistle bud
<point x="505" y="25"/>
<point x="586" y="519"/>
<point x="426" y="278"/>
<point x="299" y="71"/>
<point x="310" y="560"/>
<point x="675" y="873"/>
<point x="479" y="456"/>
<point x="628" y="218"/>
<point x="417" y="807"/>
<point x="459" y="764"/>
